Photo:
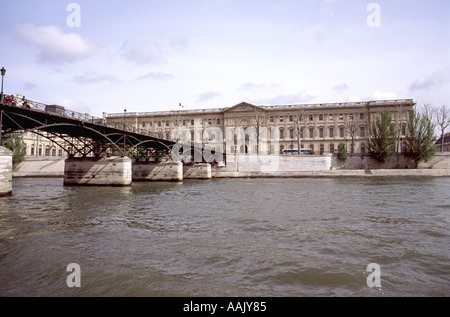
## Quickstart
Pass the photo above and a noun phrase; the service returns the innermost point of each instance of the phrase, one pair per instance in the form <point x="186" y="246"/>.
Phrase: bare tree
<point x="300" y="122"/>
<point x="351" y="127"/>
<point x="259" y="121"/>
<point x="442" y="120"/>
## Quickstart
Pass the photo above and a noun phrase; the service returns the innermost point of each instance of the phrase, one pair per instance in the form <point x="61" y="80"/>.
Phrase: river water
<point x="228" y="237"/>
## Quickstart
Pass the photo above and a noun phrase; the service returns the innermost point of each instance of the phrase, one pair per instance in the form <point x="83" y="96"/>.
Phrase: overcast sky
<point x="103" y="56"/>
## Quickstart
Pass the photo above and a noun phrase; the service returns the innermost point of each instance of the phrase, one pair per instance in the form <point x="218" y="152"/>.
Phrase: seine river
<point x="228" y="237"/>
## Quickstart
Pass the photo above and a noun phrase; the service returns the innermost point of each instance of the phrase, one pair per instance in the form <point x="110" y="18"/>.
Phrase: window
<point x="143" y="124"/>
<point x="159" y="123"/>
<point x="291" y="118"/>
<point x="341" y="132"/>
<point x="184" y="123"/>
<point x="311" y="118"/>
<point x="403" y="129"/>
<point x="218" y="121"/>
<point x="60" y="152"/>
<point x="167" y="123"/>
<point x="311" y="133"/>
<point x="271" y="119"/>
<point x="209" y="121"/>
<point x="291" y="133"/>
<point x="192" y="122"/>
<point x="361" y="132"/>
<point x="320" y="117"/>
<point x="321" y="132"/>
<point x="331" y="133"/>
<point x="301" y="133"/>
<point x="351" y="116"/>
<point x="403" y="147"/>
<point x="330" y="117"/>
<point x="331" y="148"/>
<point x="321" y="148"/>
<point x="363" y="148"/>
<point x="281" y="134"/>
<point x="192" y="136"/>
<point x="361" y="116"/>
<point x="281" y="118"/>
<point x="341" y="116"/>
<point x="54" y="151"/>
<point x="47" y="151"/>
<point x="32" y="150"/>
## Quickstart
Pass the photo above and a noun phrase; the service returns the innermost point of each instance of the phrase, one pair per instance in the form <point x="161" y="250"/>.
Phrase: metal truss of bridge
<point x="82" y="135"/>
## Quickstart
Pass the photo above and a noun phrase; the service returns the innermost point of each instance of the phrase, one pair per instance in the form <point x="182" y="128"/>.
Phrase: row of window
<point x="49" y="151"/>
<point x="272" y="120"/>
<point x="320" y="117"/>
<point x="183" y="123"/>
<point x="331" y="134"/>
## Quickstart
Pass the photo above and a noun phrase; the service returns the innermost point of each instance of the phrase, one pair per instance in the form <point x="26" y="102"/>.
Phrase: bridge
<point x="99" y="153"/>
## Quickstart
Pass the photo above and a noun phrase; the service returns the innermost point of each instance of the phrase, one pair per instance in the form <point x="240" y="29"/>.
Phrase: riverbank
<point x="53" y="167"/>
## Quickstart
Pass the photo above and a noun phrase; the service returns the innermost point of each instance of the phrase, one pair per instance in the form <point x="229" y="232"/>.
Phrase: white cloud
<point x="434" y="80"/>
<point x="156" y="76"/>
<point x="341" y="87"/>
<point x="297" y="98"/>
<point x="150" y="48"/>
<point x="94" y="78"/>
<point x="208" y="96"/>
<point x="382" y="95"/>
<point x="54" y="46"/>
<point x="252" y="86"/>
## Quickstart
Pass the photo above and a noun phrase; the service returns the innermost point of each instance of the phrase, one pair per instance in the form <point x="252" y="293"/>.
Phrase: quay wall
<point x="277" y="166"/>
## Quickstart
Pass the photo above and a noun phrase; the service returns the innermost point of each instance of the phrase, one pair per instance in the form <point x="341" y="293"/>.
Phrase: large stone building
<point x="247" y="128"/>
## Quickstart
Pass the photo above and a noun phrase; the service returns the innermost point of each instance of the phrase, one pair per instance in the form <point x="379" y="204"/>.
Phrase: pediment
<point x="244" y="106"/>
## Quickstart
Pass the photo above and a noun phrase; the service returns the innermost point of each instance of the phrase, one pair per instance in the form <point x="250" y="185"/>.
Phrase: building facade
<point x="287" y="129"/>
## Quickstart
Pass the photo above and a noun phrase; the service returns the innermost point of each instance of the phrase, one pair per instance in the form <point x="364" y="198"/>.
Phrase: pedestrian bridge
<point x="100" y="153"/>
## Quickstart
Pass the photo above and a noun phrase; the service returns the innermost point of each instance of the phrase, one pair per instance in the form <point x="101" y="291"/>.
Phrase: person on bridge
<point x="9" y="100"/>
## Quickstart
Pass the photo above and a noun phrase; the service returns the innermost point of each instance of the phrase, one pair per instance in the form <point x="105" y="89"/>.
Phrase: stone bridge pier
<point x="6" y="169"/>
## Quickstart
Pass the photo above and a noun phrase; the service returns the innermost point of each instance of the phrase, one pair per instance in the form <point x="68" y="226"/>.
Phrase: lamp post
<point x="124" y="128"/>
<point x="3" y="70"/>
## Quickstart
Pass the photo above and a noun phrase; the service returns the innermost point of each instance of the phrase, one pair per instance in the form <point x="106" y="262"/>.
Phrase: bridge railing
<point x="20" y="102"/>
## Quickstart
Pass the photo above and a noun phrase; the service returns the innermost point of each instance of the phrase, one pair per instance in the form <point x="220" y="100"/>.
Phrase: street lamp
<point x="124" y="118"/>
<point x="3" y="70"/>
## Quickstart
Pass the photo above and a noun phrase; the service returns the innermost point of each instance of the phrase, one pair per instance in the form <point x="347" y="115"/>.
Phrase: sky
<point x="106" y="56"/>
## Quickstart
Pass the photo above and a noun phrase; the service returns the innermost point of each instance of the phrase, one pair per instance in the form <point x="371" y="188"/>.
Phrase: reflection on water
<point x="227" y="237"/>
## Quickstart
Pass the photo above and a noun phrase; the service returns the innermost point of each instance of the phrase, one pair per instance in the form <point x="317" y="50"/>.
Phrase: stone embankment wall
<point x="275" y="166"/>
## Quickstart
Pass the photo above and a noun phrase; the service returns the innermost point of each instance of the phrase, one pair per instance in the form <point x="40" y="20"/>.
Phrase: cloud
<point x="325" y="33"/>
<point x="341" y="87"/>
<point x="434" y="80"/>
<point x="298" y="98"/>
<point x="156" y="76"/>
<point x="54" y="46"/>
<point x="382" y="95"/>
<point x="251" y="86"/>
<point x="94" y="78"/>
<point x="150" y="48"/>
<point x="207" y="96"/>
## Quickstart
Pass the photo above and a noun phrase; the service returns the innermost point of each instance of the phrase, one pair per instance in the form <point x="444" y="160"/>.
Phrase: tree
<point x="299" y="124"/>
<point x="383" y="137"/>
<point x="443" y="121"/>
<point x="351" y="127"/>
<point x="342" y="152"/>
<point x="421" y="140"/>
<point x="259" y="122"/>
<point x="18" y="148"/>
